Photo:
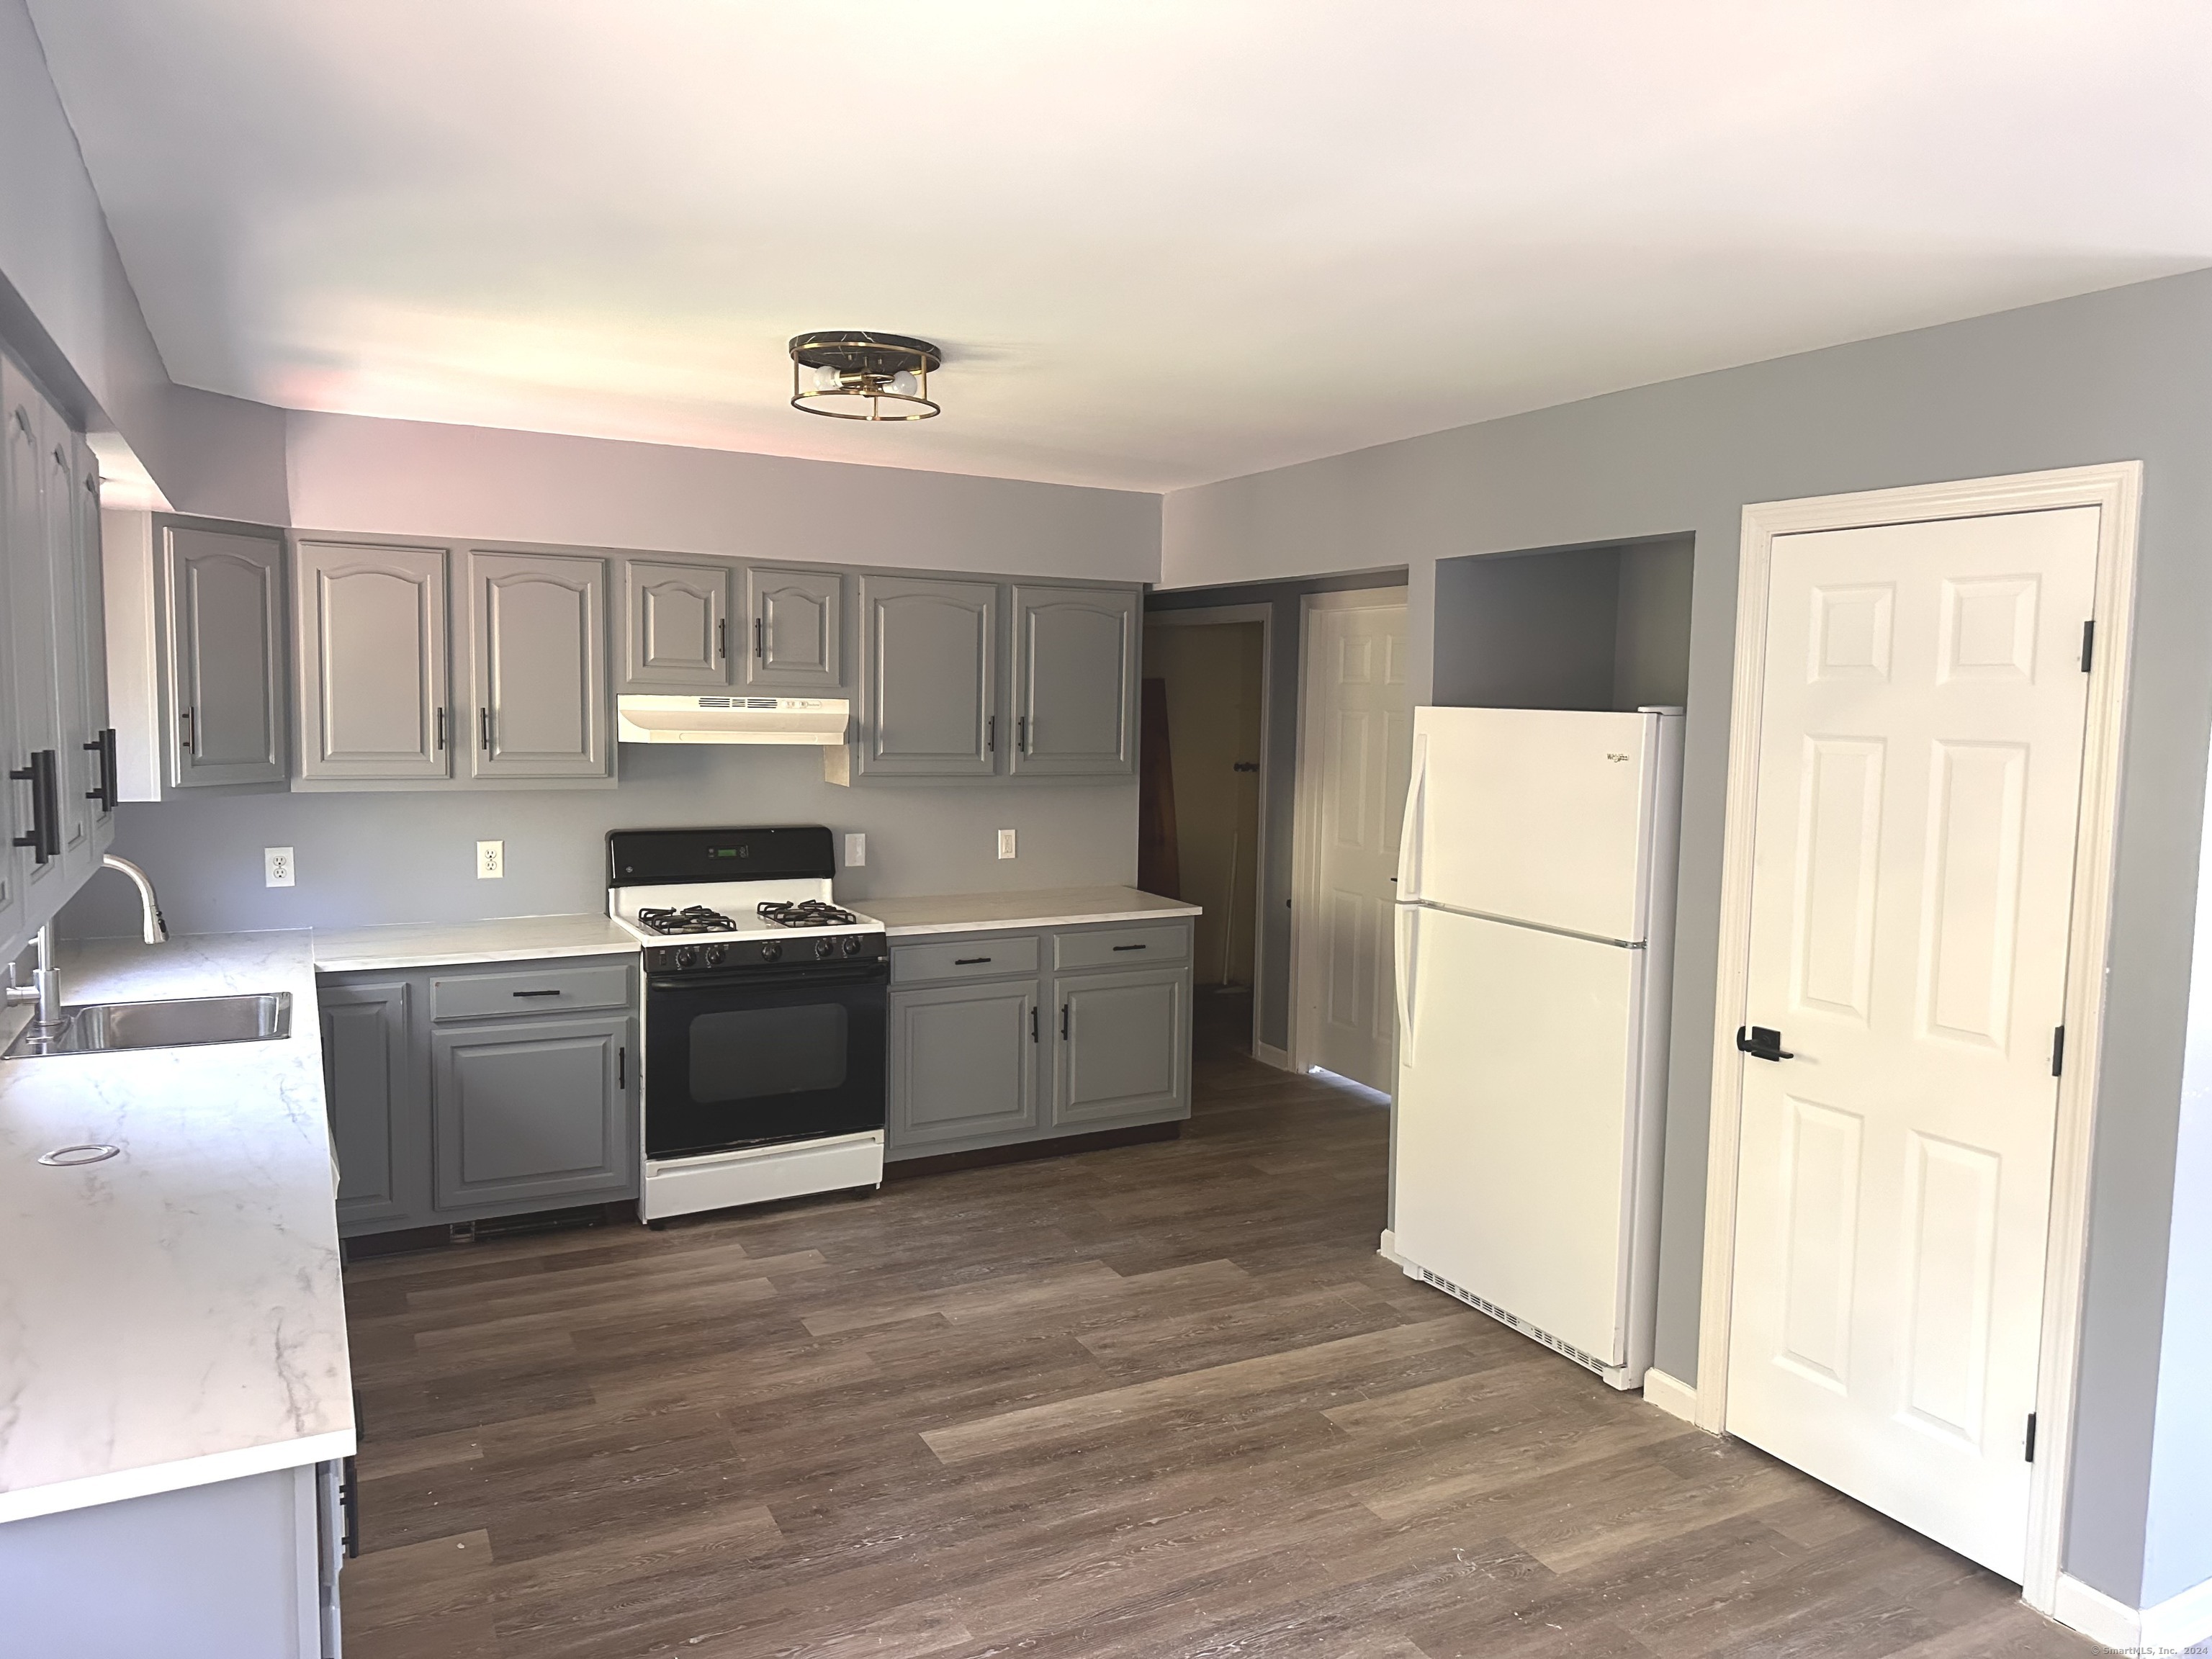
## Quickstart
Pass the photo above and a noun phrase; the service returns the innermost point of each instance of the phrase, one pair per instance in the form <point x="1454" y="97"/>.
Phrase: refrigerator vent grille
<point x="1589" y="1361"/>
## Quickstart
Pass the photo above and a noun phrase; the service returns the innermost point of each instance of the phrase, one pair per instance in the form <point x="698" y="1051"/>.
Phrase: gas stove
<point x="662" y="886"/>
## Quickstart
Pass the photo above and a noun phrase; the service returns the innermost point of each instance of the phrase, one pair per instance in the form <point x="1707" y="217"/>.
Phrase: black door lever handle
<point x="1761" y="1042"/>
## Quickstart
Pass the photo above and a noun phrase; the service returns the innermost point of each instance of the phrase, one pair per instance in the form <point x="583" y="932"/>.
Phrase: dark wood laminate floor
<point x="1151" y="1403"/>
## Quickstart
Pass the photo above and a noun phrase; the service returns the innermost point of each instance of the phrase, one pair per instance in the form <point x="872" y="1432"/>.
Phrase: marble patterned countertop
<point x="1051" y="906"/>
<point x="172" y="1317"/>
<point x="442" y="944"/>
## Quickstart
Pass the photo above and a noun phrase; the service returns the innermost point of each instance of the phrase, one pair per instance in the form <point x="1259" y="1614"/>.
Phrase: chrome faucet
<point x="45" y="986"/>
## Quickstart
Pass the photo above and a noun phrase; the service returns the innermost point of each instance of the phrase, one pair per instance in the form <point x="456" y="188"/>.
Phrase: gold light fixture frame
<point x="865" y="362"/>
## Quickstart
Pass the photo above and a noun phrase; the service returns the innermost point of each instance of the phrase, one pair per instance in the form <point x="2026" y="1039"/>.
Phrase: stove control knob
<point x="715" y="953"/>
<point x="824" y="948"/>
<point x="686" y="955"/>
<point x="852" y="945"/>
<point x="771" y="951"/>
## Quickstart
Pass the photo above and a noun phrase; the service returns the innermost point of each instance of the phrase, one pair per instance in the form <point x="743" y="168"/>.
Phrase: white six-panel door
<point x="1919" y="776"/>
<point x="1355" y="754"/>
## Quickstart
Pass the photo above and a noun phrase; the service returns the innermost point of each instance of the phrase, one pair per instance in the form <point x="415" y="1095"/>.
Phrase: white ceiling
<point x="1161" y="242"/>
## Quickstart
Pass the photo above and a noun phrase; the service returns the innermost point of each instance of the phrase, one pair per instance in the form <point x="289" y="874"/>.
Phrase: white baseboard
<point x="1268" y="1054"/>
<point x="1670" y="1394"/>
<point x="2180" y="1624"/>
<point x="1388" y="1250"/>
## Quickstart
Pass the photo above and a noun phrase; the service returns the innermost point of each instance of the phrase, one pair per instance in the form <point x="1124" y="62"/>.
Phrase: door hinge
<point x="2058" y="1051"/>
<point x="2031" y="1436"/>
<point x="2089" y="642"/>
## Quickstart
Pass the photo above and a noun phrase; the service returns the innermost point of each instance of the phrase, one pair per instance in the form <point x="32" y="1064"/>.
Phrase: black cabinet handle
<point x="555" y="992"/>
<point x="484" y="727"/>
<point x="722" y="638"/>
<point x="442" y="728"/>
<point x="990" y="734"/>
<point x="1063" y="1022"/>
<point x="1021" y="734"/>
<point x="968" y="961"/>
<point x="184" y="720"/>
<point x="621" y="1069"/>
<point x="44" y="838"/>
<point x="760" y="648"/>
<point x="350" y="1509"/>
<point x="1761" y="1042"/>
<point x="1033" y="1023"/>
<point x="1130" y="947"/>
<point x="106" y="791"/>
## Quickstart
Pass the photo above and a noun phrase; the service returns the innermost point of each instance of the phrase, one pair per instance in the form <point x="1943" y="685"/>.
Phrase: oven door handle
<point x="876" y="972"/>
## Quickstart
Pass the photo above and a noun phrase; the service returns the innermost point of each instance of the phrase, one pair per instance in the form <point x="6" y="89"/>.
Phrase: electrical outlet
<point x="856" y="851"/>
<point x="1005" y="843"/>
<point x="491" y="860"/>
<point x="276" y="866"/>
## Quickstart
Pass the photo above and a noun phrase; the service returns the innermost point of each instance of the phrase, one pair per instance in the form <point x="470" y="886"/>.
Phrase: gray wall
<point x="2118" y="375"/>
<point x="1278" y="803"/>
<point x="370" y="859"/>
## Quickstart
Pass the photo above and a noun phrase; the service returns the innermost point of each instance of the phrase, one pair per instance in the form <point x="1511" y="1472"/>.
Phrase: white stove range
<point x="764" y="1016"/>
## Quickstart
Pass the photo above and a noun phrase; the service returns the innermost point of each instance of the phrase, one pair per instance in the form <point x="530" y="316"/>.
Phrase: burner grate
<point x="692" y="919"/>
<point x="806" y="913"/>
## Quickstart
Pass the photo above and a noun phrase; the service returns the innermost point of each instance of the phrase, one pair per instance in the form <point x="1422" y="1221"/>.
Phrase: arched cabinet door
<point x="795" y="621"/>
<point x="537" y="639"/>
<point x="225" y="592"/>
<point x="676" y="626"/>
<point x="929" y="682"/>
<point x="1075" y="682"/>
<point x="372" y="663"/>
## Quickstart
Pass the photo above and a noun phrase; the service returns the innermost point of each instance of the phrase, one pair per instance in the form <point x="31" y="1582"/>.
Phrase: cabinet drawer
<point x="982" y="959"/>
<point x="1121" y="947"/>
<point x="542" y="991"/>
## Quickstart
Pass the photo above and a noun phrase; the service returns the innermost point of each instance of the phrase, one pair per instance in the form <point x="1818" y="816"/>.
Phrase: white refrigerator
<point x="1534" y="942"/>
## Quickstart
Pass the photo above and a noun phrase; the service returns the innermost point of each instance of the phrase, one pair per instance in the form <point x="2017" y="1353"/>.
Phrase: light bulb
<point x="904" y="384"/>
<point x="826" y="380"/>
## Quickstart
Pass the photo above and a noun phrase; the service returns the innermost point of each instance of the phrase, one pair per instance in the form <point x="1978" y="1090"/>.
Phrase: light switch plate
<point x="1005" y="843"/>
<point x="276" y="866"/>
<point x="491" y="860"/>
<point x="856" y="851"/>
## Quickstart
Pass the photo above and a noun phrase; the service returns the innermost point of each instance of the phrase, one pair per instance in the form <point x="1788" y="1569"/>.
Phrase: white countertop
<point x="172" y="1317"/>
<point x="444" y="943"/>
<point x="1050" y="907"/>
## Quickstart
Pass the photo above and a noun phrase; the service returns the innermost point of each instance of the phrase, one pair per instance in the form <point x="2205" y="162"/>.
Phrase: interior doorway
<point x="1201" y="830"/>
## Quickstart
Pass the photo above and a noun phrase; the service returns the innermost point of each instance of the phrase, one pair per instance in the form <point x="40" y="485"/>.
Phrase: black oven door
<point x="751" y="1058"/>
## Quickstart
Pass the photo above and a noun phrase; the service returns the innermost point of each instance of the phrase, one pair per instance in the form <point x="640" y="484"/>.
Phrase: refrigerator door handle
<point x="1409" y="919"/>
<point x="1411" y="839"/>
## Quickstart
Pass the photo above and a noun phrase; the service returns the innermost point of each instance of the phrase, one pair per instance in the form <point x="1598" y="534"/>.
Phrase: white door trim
<point x="1306" y="802"/>
<point x="1208" y="616"/>
<point x="2115" y="490"/>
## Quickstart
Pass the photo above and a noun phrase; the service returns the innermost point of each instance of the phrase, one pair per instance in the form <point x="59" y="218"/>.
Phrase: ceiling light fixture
<point x="855" y="372"/>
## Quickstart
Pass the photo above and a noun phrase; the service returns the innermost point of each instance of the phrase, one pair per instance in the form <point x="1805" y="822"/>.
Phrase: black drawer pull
<point x="1129" y="947"/>
<point x="968" y="961"/>
<point x="555" y="992"/>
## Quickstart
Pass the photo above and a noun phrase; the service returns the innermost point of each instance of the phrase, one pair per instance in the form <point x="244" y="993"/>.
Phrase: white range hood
<point x="820" y="721"/>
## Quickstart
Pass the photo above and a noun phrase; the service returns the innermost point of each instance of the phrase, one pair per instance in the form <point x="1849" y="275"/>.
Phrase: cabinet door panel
<point x="963" y="1062"/>
<point x="538" y="631"/>
<point x="1076" y="681"/>
<point x="366" y="1082"/>
<point x="675" y="625"/>
<point x="92" y="663"/>
<point x="225" y="601"/>
<point x="797" y="621"/>
<point x="931" y="689"/>
<point x="37" y="884"/>
<point x="535" y="1112"/>
<point x="65" y="594"/>
<point x="1125" y="1047"/>
<point x="371" y="654"/>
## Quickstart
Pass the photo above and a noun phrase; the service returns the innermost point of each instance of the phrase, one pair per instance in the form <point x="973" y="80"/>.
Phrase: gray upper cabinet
<point x="366" y="1087"/>
<point x="35" y="770"/>
<point x="531" y="1109"/>
<point x="1124" y="1050"/>
<point x="1075" y="680"/>
<point x="371" y="651"/>
<point x="929" y="685"/>
<point x="538" y="642"/>
<point x="963" y="1062"/>
<point x="96" y="758"/>
<point x="796" y="621"/>
<point x="225" y="606"/>
<point x="676" y="626"/>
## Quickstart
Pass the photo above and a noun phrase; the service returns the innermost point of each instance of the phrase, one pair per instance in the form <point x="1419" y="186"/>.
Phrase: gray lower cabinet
<point x="929" y="681"/>
<point x="797" y="624"/>
<point x="676" y="626"/>
<point x="455" y="1097"/>
<point x="223" y="592"/>
<point x="1075" y="680"/>
<point x="531" y="1111"/>
<point x="963" y="1062"/>
<point x="1006" y="1037"/>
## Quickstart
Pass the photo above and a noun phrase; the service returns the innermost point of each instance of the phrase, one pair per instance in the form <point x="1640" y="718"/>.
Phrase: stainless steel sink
<point x="94" y="1028"/>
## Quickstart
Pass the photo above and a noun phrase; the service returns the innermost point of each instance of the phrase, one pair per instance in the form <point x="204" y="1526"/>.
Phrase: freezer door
<point x="1536" y="814"/>
<point x="1516" y="1093"/>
